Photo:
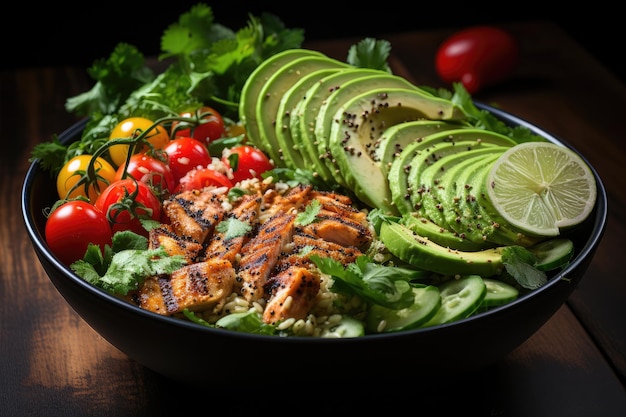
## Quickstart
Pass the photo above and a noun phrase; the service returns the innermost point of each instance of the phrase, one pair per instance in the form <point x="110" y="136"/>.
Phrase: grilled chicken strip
<point x="226" y="247"/>
<point x="294" y="200"/>
<point x="271" y="261"/>
<point x="261" y="253"/>
<point x="303" y="247"/>
<point x="200" y="286"/>
<point x="335" y="227"/>
<point x="194" y="214"/>
<point x="164" y="236"/>
<point x="292" y="294"/>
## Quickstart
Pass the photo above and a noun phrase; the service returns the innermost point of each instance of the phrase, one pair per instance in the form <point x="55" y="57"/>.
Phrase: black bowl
<point x="192" y="354"/>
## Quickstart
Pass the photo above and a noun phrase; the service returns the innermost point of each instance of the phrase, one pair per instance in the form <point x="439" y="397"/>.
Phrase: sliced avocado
<point x="425" y="254"/>
<point x="305" y="114"/>
<point x="336" y="103"/>
<point x="397" y="137"/>
<point x="460" y="211"/>
<point x="441" y="236"/>
<point x="272" y="92"/>
<point x="436" y="178"/>
<point x="401" y="164"/>
<point x="255" y="82"/>
<point x="358" y="125"/>
<point x="293" y="155"/>
<point x="504" y="233"/>
<point x="425" y="157"/>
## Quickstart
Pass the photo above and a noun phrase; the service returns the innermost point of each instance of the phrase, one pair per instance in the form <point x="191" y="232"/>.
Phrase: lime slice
<point x="541" y="188"/>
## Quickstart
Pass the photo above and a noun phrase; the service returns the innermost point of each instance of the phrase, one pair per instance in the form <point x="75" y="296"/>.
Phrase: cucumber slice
<point x="553" y="254"/>
<point x="498" y="293"/>
<point x="460" y="298"/>
<point x="384" y="320"/>
<point x="347" y="327"/>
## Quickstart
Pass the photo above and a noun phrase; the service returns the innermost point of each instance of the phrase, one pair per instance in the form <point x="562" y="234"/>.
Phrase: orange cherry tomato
<point x="75" y="170"/>
<point x="131" y="128"/>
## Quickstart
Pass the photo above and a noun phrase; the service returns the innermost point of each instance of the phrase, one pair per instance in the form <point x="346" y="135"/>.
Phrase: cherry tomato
<point x="150" y="170"/>
<point x="185" y="154"/>
<point x="72" y="226"/>
<point x="233" y="130"/>
<point x="131" y="128"/>
<point x="75" y="170"/>
<point x="478" y="57"/>
<point x="127" y="201"/>
<point x="210" y="128"/>
<point x="199" y="178"/>
<point x="246" y="162"/>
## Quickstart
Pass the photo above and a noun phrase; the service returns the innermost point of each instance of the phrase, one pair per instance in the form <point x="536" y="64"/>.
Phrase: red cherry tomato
<point x="203" y="177"/>
<point x="185" y="154"/>
<point x="127" y="201"/>
<point x="150" y="170"/>
<point x="478" y="57"/>
<point x="72" y="226"/>
<point x="209" y="128"/>
<point x="246" y="162"/>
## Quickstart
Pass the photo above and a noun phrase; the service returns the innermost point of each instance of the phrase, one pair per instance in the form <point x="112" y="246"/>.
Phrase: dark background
<point x="58" y="34"/>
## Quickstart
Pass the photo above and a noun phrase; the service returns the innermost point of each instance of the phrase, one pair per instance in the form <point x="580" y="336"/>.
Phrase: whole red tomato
<point x="150" y="170"/>
<point x="127" y="201"/>
<point x="478" y="57"/>
<point x="209" y="128"/>
<point x="246" y="162"/>
<point x="72" y="226"/>
<point x="185" y="154"/>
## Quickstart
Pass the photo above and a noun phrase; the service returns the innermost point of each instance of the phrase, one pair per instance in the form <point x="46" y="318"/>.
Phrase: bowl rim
<point x="598" y="215"/>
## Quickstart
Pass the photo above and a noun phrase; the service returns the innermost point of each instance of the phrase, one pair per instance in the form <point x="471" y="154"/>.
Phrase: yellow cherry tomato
<point x="234" y="129"/>
<point x="131" y="128"/>
<point x="75" y="169"/>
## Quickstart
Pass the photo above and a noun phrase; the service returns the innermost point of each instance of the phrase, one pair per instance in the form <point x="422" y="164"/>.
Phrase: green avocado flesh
<point x="395" y="138"/>
<point x="440" y="235"/>
<point x="254" y="84"/>
<point x="406" y="168"/>
<point x="335" y="104"/>
<point x="357" y="127"/>
<point x="290" y="140"/>
<point x="417" y="250"/>
<point x="391" y="144"/>
<point x="273" y="92"/>
<point x="467" y="209"/>
<point x="305" y="113"/>
<point x="436" y="178"/>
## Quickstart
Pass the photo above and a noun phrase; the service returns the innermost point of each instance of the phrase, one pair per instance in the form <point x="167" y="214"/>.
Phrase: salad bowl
<point x="187" y="352"/>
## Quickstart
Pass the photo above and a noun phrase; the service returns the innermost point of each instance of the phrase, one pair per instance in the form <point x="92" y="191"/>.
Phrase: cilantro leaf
<point x="233" y="228"/>
<point x="129" y="269"/>
<point x="377" y="284"/>
<point x="248" y="322"/>
<point x="480" y="118"/>
<point x="51" y="155"/>
<point x="117" y="77"/>
<point x="126" y="264"/>
<point x="370" y="53"/>
<point x="309" y="215"/>
<point x="519" y="263"/>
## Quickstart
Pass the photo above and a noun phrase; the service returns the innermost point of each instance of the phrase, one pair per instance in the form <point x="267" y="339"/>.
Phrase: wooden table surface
<point x="53" y="364"/>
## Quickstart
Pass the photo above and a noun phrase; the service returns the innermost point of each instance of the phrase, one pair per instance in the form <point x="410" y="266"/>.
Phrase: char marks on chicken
<point x="271" y="261"/>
